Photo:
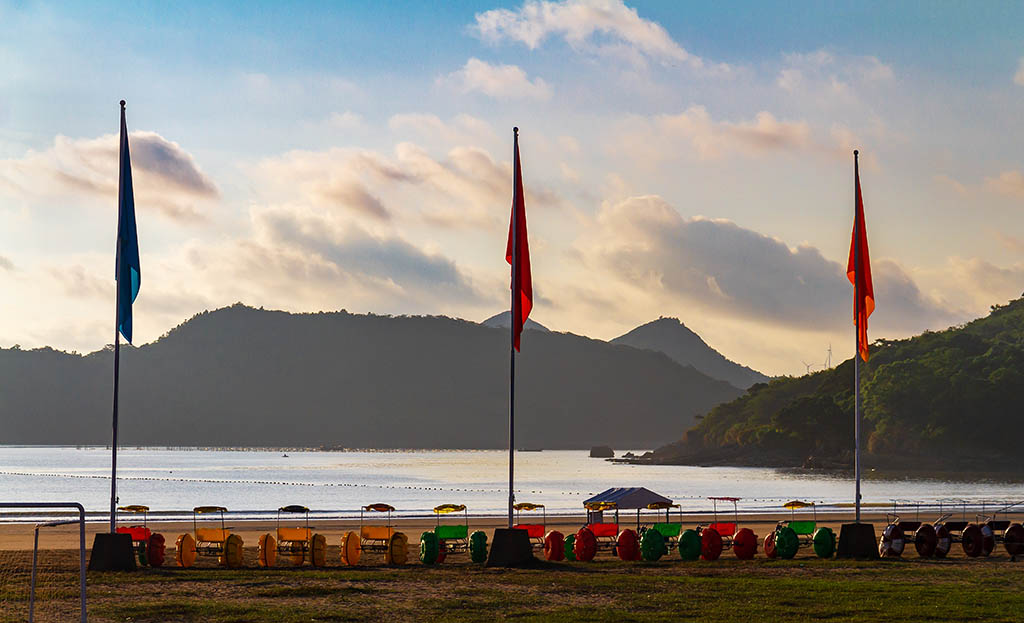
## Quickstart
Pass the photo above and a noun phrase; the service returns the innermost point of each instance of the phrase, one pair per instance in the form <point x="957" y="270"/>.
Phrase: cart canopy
<point x="627" y="498"/>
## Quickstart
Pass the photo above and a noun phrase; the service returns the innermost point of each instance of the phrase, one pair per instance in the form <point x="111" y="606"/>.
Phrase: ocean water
<point x="251" y="483"/>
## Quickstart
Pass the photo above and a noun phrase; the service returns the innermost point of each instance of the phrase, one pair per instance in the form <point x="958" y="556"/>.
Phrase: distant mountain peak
<point x="504" y="321"/>
<point x="669" y="335"/>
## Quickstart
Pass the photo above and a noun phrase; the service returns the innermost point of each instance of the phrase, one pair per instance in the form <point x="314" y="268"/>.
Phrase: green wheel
<point x="824" y="542"/>
<point x="786" y="542"/>
<point x="652" y="545"/>
<point x="478" y="546"/>
<point x="428" y="548"/>
<point x="570" y="551"/>
<point x="689" y="545"/>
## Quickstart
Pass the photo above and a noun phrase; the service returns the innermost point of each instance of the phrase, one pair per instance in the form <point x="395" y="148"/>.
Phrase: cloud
<point x="165" y="176"/>
<point x="497" y="81"/>
<point x="347" y="120"/>
<point x="1018" y="78"/>
<point x="984" y="282"/>
<point x="6" y="263"/>
<point x="77" y="282"/>
<point x="462" y="130"/>
<point x="596" y="26"/>
<point x="827" y="75"/>
<point x="726" y="269"/>
<point x="1007" y="183"/>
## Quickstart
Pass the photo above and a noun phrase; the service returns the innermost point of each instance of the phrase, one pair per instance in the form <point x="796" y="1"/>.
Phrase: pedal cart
<point x="720" y="535"/>
<point x="660" y="538"/>
<point x="209" y="542"/>
<point x="598" y="535"/>
<point x="149" y="546"/>
<point x="375" y="538"/>
<point x="790" y="535"/>
<point x="452" y="539"/>
<point x="295" y="545"/>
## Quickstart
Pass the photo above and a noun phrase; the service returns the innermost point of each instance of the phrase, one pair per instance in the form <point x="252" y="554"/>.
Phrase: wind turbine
<point x="809" y="366"/>
<point x="828" y="361"/>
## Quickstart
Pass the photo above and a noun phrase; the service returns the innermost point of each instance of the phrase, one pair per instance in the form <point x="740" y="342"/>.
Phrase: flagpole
<point x="856" y="338"/>
<point x="117" y="340"/>
<point x="512" y="345"/>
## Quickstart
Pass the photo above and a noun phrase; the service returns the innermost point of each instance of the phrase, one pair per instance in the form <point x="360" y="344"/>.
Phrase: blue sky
<point x="682" y="159"/>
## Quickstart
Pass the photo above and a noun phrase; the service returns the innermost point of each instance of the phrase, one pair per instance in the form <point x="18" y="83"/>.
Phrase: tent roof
<point x="627" y="497"/>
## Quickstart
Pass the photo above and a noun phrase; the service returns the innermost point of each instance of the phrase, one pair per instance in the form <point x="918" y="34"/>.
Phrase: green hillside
<point x="948" y="399"/>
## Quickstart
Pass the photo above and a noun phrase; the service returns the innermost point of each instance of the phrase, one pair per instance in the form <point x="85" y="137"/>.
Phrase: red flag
<point x="517" y="254"/>
<point x="858" y="270"/>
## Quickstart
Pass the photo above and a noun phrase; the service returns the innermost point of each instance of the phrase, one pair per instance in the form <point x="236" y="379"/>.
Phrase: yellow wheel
<point x="267" y="551"/>
<point x="398" y="550"/>
<point x="233" y="552"/>
<point x="185" y="550"/>
<point x="350" y="549"/>
<point x="318" y="550"/>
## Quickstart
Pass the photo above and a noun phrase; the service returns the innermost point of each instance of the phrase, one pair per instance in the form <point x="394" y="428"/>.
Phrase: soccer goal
<point x="42" y="562"/>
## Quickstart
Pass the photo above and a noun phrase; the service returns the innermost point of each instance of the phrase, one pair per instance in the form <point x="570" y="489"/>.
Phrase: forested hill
<point x="949" y="399"/>
<point x="241" y="376"/>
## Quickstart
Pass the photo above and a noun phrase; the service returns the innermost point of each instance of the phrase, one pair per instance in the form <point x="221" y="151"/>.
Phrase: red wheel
<point x="710" y="544"/>
<point x="973" y="541"/>
<point x="769" y="545"/>
<point x="943" y="541"/>
<point x="925" y="541"/>
<point x="157" y="549"/>
<point x="892" y="542"/>
<point x="744" y="544"/>
<point x="554" y="546"/>
<point x="1013" y="540"/>
<point x="585" y="545"/>
<point x="628" y="545"/>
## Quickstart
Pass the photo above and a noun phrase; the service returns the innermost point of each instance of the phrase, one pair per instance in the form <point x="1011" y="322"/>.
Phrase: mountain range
<point x="240" y="376"/>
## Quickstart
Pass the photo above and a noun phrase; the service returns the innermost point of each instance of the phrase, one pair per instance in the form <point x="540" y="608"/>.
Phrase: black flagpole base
<point x="510" y="548"/>
<point x="857" y="540"/>
<point x="112" y="552"/>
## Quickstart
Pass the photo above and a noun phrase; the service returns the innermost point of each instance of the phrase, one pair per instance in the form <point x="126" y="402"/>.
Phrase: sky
<point x="692" y="160"/>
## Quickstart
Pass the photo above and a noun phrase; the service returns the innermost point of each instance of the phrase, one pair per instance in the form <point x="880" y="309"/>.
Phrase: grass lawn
<point x="727" y="590"/>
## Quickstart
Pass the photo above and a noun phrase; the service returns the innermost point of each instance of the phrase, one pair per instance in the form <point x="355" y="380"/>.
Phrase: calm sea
<point x="416" y="481"/>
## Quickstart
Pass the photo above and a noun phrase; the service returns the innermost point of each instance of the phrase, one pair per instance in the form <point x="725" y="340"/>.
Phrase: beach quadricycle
<point x="599" y="535"/>
<point x="451" y="539"/>
<point x="149" y="546"/>
<point x="898" y="531"/>
<point x="294" y="544"/>
<point x="661" y="537"/>
<point x="551" y="543"/>
<point x="721" y="535"/>
<point x="220" y="542"/>
<point x="377" y="538"/>
<point x="789" y="535"/>
<point x="978" y="538"/>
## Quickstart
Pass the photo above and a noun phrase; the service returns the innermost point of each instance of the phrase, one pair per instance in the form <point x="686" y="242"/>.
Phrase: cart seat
<point x="212" y="535"/>
<point x="955" y="526"/>
<point x="908" y="526"/>
<point x="668" y="530"/>
<point x="1000" y="525"/>
<point x="604" y="529"/>
<point x="452" y="532"/>
<point x="139" y="533"/>
<point x="293" y="534"/>
<point x="803" y="528"/>
<point x="725" y="528"/>
<point x="533" y="530"/>
<point x="376" y="533"/>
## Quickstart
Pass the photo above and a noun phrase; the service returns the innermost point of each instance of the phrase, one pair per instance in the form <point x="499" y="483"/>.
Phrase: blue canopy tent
<point x="618" y="498"/>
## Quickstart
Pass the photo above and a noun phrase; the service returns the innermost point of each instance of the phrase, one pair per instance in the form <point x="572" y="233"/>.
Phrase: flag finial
<point x="856" y="152"/>
<point x="516" y="129"/>
<point x="122" y="103"/>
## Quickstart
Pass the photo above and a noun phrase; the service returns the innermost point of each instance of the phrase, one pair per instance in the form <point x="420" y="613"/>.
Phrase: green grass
<point x="728" y="590"/>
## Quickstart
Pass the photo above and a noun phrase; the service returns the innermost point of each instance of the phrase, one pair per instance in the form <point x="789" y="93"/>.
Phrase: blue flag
<point x="129" y="270"/>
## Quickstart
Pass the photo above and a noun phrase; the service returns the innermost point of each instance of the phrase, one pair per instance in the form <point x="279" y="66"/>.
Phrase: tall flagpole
<point x="856" y="337"/>
<point x="117" y="339"/>
<point x="512" y="345"/>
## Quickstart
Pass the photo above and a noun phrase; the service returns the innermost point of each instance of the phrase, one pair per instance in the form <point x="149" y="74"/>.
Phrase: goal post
<point x="75" y="506"/>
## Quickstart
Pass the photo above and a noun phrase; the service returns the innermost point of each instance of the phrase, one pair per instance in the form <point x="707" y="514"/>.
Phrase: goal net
<point x="42" y="562"/>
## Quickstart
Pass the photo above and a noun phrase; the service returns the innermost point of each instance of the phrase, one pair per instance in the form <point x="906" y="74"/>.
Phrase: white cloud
<point x="1018" y="78"/>
<point x="165" y="176"/>
<point x="1007" y="183"/>
<point x="722" y="268"/>
<point x="586" y="25"/>
<point x="347" y="120"/>
<point x="497" y="81"/>
<point x="6" y="263"/>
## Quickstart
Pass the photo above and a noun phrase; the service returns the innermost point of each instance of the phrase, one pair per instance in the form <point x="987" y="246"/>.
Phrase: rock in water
<point x="601" y="452"/>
